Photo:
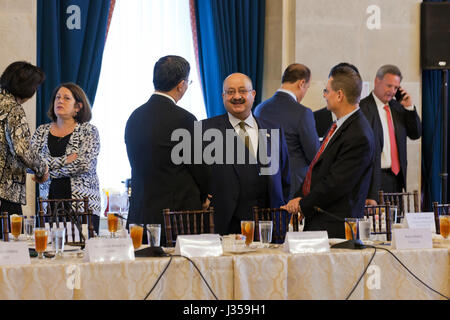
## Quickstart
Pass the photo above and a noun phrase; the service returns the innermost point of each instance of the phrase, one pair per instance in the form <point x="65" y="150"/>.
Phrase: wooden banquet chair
<point x="75" y="211"/>
<point x="280" y="218"/>
<point x="380" y="226"/>
<point x="404" y="201"/>
<point x="440" y="209"/>
<point x="187" y="222"/>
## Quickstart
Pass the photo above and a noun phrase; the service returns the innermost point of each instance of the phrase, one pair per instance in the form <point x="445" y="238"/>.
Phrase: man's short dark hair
<point x="295" y="72"/>
<point x="169" y="71"/>
<point x="21" y="79"/>
<point x="343" y="64"/>
<point x="349" y="81"/>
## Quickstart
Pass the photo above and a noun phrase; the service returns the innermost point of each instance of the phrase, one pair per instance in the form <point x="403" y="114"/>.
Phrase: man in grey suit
<point x="295" y="119"/>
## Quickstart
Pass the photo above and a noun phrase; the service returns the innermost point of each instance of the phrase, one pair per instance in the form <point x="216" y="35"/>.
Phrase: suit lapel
<point x="263" y="136"/>
<point x="339" y="132"/>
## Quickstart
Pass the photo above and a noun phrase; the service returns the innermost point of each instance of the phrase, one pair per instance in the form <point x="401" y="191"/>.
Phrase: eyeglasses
<point x="241" y="92"/>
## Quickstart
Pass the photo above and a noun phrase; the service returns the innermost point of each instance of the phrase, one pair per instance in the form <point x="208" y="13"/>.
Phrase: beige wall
<point x="331" y="31"/>
<point x="18" y="39"/>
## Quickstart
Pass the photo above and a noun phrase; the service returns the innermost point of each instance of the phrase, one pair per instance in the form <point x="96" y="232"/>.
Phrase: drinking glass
<point x="353" y="222"/>
<point x="247" y="229"/>
<point x="136" y="232"/>
<point x="113" y="223"/>
<point x="364" y="229"/>
<point x="29" y="223"/>
<point x="40" y="238"/>
<point x="444" y="225"/>
<point x="58" y="235"/>
<point x="265" y="232"/>
<point x="16" y="226"/>
<point x="154" y="234"/>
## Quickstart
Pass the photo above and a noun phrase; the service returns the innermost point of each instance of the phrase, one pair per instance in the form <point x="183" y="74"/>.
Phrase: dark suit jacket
<point x="406" y="124"/>
<point x="299" y="129"/>
<point x="225" y="180"/>
<point x="323" y="119"/>
<point x="156" y="182"/>
<point x="341" y="177"/>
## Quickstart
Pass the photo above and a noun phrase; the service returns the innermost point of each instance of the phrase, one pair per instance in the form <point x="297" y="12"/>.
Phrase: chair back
<point x="187" y="222"/>
<point x="75" y="211"/>
<point x="404" y="201"/>
<point x="280" y="218"/>
<point x="381" y="218"/>
<point x="440" y="209"/>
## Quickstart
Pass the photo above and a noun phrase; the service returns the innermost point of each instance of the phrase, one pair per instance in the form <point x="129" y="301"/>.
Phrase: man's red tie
<point x="307" y="183"/>
<point x="395" y="163"/>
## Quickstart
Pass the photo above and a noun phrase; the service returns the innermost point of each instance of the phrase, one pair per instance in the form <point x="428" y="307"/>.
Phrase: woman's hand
<point x="71" y="158"/>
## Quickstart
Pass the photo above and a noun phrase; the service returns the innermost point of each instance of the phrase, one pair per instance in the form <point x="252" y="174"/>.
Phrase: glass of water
<point x="29" y="223"/>
<point x="154" y="234"/>
<point x="265" y="233"/>
<point x="58" y="236"/>
<point x="364" y="229"/>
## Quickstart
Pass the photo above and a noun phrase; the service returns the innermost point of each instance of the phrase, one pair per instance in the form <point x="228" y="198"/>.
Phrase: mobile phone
<point x="399" y="96"/>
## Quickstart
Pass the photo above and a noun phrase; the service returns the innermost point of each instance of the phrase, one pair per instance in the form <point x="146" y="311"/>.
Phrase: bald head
<point x="238" y="95"/>
<point x="237" y="76"/>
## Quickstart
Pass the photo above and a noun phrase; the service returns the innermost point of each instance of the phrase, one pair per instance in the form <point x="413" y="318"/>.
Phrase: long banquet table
<point x="259" y="275"/>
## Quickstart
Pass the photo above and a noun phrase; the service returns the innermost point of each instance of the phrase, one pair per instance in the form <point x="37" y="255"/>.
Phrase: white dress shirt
<point x="165" y="95"/>
<point x="250" y="125"/>
<point x="289" y="93"/>
<point x="386" y="152"/>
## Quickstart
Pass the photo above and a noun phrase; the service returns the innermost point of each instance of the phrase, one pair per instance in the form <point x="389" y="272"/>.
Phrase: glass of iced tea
<point x="353" y="223"/>
<point x="136" y="232"/>
<point x="16" y="226"/>
<point x="40" y="239"/>
<point x="113" y="223"/>
<point x="247" y="229"/>
<point x="444" y="225"/>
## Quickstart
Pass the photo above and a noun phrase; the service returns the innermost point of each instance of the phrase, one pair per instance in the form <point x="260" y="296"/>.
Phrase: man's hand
<point x="71" y="158"/>
<point x="371" y="202"/>
<point x="207" y="202"/>
<point x="406" y="100"/>
<point x="293" y="206"/>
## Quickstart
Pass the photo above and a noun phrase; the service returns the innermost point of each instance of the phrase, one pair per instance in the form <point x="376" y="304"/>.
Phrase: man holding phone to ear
<point x="392" y="115"/>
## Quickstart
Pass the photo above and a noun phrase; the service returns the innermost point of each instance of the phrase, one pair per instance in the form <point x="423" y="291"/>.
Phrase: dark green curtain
<point x="230" y="37"/>
<point x="432" y="136"/>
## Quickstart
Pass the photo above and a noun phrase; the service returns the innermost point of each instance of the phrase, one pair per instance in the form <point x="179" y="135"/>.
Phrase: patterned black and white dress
<point x="85" y="142"/>
<point x="15" y="152"/>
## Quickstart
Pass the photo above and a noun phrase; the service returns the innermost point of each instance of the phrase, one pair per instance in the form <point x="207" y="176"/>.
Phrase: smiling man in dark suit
<point x="237" y="186"/>
<point x="297" y="121"/>
<point x="157" y="182"/>
<point x="339" y="176"/>
<point x="394" y="121"/>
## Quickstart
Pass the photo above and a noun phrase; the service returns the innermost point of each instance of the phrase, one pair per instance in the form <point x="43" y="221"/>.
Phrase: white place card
<point x="420" y="220"/>
<point x="307" y="242"/>
<point x="107" y="250"/>
<point x="412" y="239"/>
<point x="199" y="245"/>
<point x="14" y="253"/>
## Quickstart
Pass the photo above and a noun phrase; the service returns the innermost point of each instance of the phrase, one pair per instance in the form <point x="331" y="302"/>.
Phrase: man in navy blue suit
<point x="284" y="109"/>
<point x="236" y="186"/>
<point x="338" y="178"/>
